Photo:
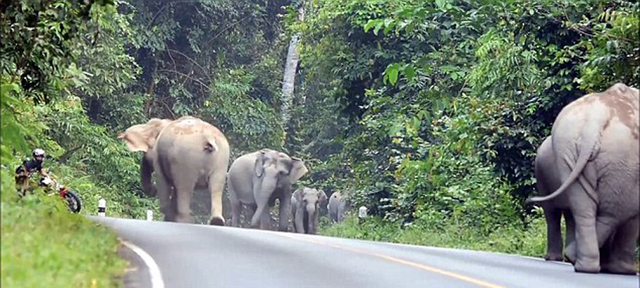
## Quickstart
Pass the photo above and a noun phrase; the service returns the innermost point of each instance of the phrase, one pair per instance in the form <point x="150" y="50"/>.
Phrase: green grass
<point x="43" y="245"/>
<point x="511" y="240"/>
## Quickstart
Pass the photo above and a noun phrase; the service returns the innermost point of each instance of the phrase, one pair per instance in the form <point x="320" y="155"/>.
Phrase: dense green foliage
<point x="427" y="112"/>
<point x="444" y="102"/>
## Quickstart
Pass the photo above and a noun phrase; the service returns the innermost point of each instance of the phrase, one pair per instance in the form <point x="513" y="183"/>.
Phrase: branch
<point x="168" y="108"/>
<point x="226" y="28"/>
<point x="67" y="154"/>
<point x="185" y="75"/>
<point x="190" y="59"/>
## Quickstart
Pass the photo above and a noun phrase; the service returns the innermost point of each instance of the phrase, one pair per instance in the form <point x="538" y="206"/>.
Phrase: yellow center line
<point x="398" y="260"/>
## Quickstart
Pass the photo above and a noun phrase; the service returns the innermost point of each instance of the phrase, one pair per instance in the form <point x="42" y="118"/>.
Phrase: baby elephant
<point x="305" y="208"/>
<point x="337" y="207"/>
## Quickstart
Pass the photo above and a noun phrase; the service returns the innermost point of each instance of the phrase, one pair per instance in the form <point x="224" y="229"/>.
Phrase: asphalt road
<point x="191" y="256"/>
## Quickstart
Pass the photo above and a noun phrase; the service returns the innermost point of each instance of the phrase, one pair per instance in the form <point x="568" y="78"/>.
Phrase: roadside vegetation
<point x="43" y="245"/>
<point x="429" y="113"/>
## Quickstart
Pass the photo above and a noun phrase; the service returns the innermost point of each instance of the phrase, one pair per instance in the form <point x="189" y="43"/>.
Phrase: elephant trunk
<point x="146" y="169"/>
<point x="310" y="217"/>
<point x="267" y="188"/>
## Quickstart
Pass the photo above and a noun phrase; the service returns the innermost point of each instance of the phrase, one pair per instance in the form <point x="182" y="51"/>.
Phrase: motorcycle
<point x="71" y="198"/>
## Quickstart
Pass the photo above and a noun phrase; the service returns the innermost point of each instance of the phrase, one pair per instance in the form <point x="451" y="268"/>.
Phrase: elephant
<point x="305" y="208"/>
<point x="337" y="207"/>
<point x="185" y="154"/>
<point x="546" y="182"/>
<point x="257" y="179"/>
<point x="596" y="150"/>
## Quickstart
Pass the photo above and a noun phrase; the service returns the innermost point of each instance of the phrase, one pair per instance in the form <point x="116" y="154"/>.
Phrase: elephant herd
<point x="587" y="170"/>
<point x="189" y="153"/>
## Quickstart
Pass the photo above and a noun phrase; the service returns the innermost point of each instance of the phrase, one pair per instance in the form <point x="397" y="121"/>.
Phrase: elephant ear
<point x="259" y="164"/>
<point x="322" y="196"/>
<point x="142" y="137"/>
<point x="298" y="169"/>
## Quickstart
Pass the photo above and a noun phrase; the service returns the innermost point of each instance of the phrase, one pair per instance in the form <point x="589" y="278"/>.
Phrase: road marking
<point x="154" y="270"/>
<point x="401" y="261"/>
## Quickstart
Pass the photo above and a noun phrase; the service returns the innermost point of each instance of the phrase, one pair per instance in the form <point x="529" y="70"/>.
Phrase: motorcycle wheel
<point x="73" y="202"/>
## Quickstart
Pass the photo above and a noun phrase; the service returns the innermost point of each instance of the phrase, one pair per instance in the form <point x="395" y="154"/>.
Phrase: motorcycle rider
<point x="23" y="172"/>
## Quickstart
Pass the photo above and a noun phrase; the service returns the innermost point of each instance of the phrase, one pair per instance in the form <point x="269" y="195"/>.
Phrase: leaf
<point x="409" y="72"/>
<point x="392" y="72"/>
<point x="377" y="27"/>
<point x="371" y="23"/>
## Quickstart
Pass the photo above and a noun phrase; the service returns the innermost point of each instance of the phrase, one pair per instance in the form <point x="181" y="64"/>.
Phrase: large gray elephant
<point x="596" y="150"/>
<point x="257" y="179"/>
<point x="337" y="207"/>
<point x="186" y="154"/>
<point x="547" y="181"/>
<point x="305" y="208"/>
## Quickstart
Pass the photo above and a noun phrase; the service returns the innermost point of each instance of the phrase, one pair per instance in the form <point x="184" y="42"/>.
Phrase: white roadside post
<point x="362" y="213"/>
<point x="102" y="207"/>
<point x="149" y="215"/>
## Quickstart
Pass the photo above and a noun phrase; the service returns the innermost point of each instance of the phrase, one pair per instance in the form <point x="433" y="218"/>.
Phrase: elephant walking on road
<point x="257" y="179"/>
<point x="305" y="208"/>
<point x="186" y="154"/>
<point x="548" y="181"/>
<point x="596" y="147"/>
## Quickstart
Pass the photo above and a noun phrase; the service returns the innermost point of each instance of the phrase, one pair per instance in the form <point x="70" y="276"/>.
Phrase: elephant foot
<point x="553" y="257"/>
<point x="619" y="268"/>
<point x="570" y="253"/>
<point x="217" y="221"/>
<point x="586" y="266"/>
<point x="185" y="218"/>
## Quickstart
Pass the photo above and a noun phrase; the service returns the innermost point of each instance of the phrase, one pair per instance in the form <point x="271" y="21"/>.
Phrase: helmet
<point x="38" y="153"/>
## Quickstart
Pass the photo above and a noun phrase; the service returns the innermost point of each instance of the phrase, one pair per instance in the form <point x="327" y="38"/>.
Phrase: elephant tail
<point x="590" y="141"/>
<point x="210" y="146"/>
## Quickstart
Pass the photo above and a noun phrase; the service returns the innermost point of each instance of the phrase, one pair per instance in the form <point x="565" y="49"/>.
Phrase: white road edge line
<point x="154" y="270"/>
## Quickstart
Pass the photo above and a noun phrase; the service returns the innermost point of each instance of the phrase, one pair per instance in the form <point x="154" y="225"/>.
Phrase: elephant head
<point x="276" y="172"/>
<point x="305" y="207"/>
<point x="142" y="137"/>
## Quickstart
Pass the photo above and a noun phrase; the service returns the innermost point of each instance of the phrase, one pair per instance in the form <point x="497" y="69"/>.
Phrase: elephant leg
<point x="298" y="220"/>
<point x="285" y="212"/>
<point x="265" y="219"/>
<point x="251" y="210"/>
<point x="216" y="186"/>
<point x="554" y="237"/>
<point x="262" y="212"/>
<point x="584" y="252"/>
<point x="167" y="202"/>
<point x="313" y="226"/>
<point x="621" y="254"/>
<point x="570" y="229"/>
<point x="236" y="207"/>
<point x="184" y="191"/>
<point x="605" y="253"/>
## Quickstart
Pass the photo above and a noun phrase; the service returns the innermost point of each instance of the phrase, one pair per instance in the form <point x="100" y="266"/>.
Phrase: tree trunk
<point x="289" y="77"/>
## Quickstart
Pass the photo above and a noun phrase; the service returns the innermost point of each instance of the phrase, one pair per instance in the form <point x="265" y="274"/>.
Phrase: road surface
<point x="192" y="256"/>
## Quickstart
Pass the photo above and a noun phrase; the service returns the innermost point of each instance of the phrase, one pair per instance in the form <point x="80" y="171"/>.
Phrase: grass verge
<point x="43" y="245"/>
<point x="511" y="240"/>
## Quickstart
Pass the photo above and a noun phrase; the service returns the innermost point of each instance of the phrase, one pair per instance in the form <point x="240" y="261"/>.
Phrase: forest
<point x="429" y="113"/>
